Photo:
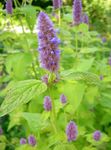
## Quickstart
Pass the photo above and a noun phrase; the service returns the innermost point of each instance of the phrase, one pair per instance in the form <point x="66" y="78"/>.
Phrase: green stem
<point x="65" y="116"/>
<point x="76" y="38"/>
<point x="77" y="114"/>
<point x="53" y="112"/>
<point x="13" y="25"/>
<point x="82" y="42"/>
<point x="23" y="30"/>
<point x="15" y="3"/>
<point x="59" y="16"/>
<point x="53" y="116"/>
<point x="34" y="70"/>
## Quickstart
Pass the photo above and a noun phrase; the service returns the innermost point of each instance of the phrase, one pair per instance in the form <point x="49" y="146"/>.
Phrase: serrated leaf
<point x="20" y="93"/>
<point x="87" y="77"/>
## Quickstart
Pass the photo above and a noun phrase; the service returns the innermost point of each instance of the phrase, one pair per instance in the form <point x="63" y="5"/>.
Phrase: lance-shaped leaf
<point x="87" y="77"/>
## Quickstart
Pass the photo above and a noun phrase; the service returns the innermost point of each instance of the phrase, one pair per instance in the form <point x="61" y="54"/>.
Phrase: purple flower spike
<point x="97" y="135"/>
<point x="63" y="99"/>
<point x="77" y="12"/>
<point x="9" y="7"/>
<point x="1" y="131"/>
<point x="32" y="140"/>
<point x="48" y="44"/>
<point x="23" y="141"/>
<point x="47" y="103"/>
<point x="71" y="131"/>
<point x="85" y="19"/>
<point x="57" y="4"/>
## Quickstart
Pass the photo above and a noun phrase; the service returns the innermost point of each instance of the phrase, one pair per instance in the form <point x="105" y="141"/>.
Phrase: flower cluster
<point x="9" y="7"/>
<point x="49" y="54"/>
<point x="71" y="131"/>
<point x="63" y="99"/>
<point x="31" y="140"/>
<point x="77" y="12"/>
<point x="47" y="103"/>
<point x="97" y="135"/>
<point x="23" y="141"/>
<point x="57" y="4"/>
<point x="85" y="18"/>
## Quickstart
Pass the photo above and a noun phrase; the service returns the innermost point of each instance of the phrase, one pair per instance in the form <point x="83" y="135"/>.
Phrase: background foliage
<point x="22" y="91"/>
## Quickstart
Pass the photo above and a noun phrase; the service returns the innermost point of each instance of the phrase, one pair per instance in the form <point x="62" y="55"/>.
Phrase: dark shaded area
<point x="40" y="3"/>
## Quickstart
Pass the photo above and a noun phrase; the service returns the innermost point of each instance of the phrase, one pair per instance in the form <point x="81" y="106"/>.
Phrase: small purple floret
<point x="32" y="140"/>
<point x="47" y="103"/>
<point x="97" y="135"/>
<point x="9" y="7"/>
<point x="63" y="99"/>
<point x="71" y="131"/>
<point x="23" y="141"/>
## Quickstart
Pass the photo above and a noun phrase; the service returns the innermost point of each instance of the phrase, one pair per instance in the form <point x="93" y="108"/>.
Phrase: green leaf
<point x="3" y="138"/>
<point x="15" y="117"/>
<point x="65" y="147"/>
<point x="20" y="93"/>
<point x="2" y="146"/>
<point x="68" y="17"/>
<point x="83" y="28"/>
<point x="85" y="64"/>
<point x="86" y="50"/>
<point x="35" y="121"/>
<point x="67" y="72"/>
<point x="87" y="77"/>
<point x="78" y="92"/>
<point x="75" y="93"/>
<point x="17" y="64"/>
<point x="89" y="148"/>
<point x="91" y="94"/>
<point x="26" y="147"/>
<point x="30" y="14"/>
<point x="107" y="79"/>
<point x="106" y="100"/>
